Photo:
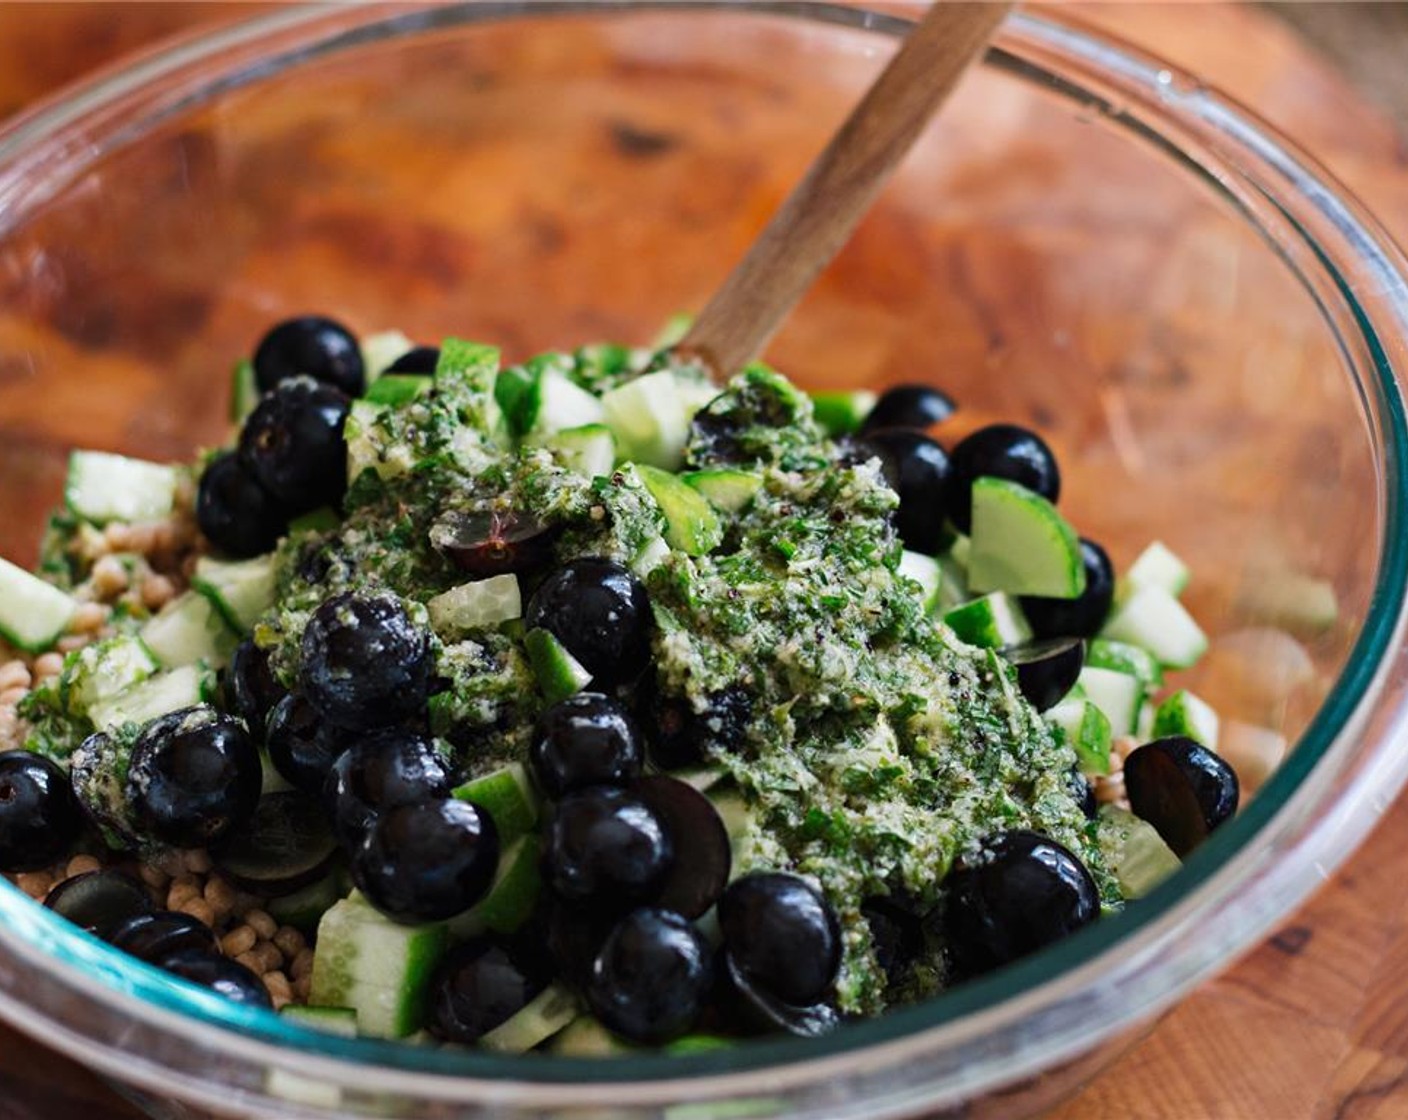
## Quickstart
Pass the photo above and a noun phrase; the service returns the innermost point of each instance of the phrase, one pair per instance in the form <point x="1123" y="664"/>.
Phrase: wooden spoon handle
<point x="818" y="216"/>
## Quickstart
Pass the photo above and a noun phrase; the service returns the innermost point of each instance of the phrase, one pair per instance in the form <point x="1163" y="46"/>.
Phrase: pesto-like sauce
<point x="877" y="747"/>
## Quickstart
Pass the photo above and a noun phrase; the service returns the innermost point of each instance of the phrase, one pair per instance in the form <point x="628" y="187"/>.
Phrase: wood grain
<point x="1314" y="1023"/>
<point x="819" y="216"/>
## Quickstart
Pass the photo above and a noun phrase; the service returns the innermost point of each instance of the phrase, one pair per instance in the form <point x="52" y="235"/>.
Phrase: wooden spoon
<point x="818" y="216"/>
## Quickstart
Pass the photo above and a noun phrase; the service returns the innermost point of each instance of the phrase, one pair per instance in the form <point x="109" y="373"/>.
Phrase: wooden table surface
<point x="1312" y="1024"/>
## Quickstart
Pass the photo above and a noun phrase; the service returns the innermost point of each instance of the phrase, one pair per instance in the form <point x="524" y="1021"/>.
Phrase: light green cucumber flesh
<point x="927" y="573"/>
<point x="589" y="449"/>
<point x="1021" y="545"/>
<point x="1158" y="566"/>
<point x="508" y="796"/>
<point x="1088" y="731"/>
<point x="553" y="1009"/>
<point x="1153" y="619"/>
<point x="188" y="630"/>
<point x="244" y="391"/>
<point x="1134" y="851"/>
<point x="691" y="524"/>
<point x="98" y="672"/>
<point x="558" y="673"/>
<point x="102" y="487"/>
<point x="1116" y="694"/>
<point x="991" y="622"/>
<point x="476" y="604"/>
<point x="376" y="967"/>
<point x="341" y="1021"/>
<point x="398" y="388"/>
<point x="33" y="613"/>
<point x="1106" y="653"/>
<point x="650" y="419"/>
<point x="511" y="897"/>
<point x="241" y="590"/>
<point x="1183" y="713"/>
<point x="167" y="691"/>
<point x="726" y="489"/>
<point x="563" y="404"/>
<point x="585" y="1037"/>
<point x="841" y="412"/>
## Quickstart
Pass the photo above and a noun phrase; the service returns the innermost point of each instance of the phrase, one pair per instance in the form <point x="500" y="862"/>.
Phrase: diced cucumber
<point x="563" y="404"/>
<point x="651" y="555"/>
<point x="396" y="389"/>
<point x="244" y="391"/>
<point x="585" y="1037"/>
<point x="516" y="392"/>
<point x="559" y="674"/>
<point x="650" y="418"/>
<point x="241" y="590"/>
<point x="380" y="351"/>
<point x="340" y="1021"/>
<point x="925" y="571"/>
<point x="589" y="449"/>
<point x="841" y="412"/>
<point x="991" y="622"/>
<point x="959" y="552"/>
<point x="1183" y="713"/>
<point x="691" y="525"/>
<point x="187" y="630"/>
<point x="736" y="814"/>
<point x="476" y="604"/>
<point x="33" y="613"/>
<point x="1021" y="545"/>
<point x="375" y="966"/>
<point x="511" y="898"/>
<point x="554" y="1008"/>
<point x="675" y="328"/>
<point x="103" y="487"/>
<point x="467" y="371"/>
<point x="703" y="779"/>
<point x="1154" y="620"/>
<point x="1116" y="694"/>
<point x="1144" y="721"/>
<point x="98" y="672"/>
<point x="305" y="907"/>
<point x="321" y="520"/>
<point x="1158" y="566"/>
<point x="508" y="796"/>
<point x="1134" y="851"/>
<point x="1088" y="731"/>
<point x="1105" y="653"/>
<point x="167" y="691"/>
<point x="728" y="490"/>
<point x="953" y="585"/>
<point x="700" y="1044"/>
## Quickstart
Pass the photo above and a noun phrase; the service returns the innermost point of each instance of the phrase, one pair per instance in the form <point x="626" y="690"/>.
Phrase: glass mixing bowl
<point x="1088" y="241"/>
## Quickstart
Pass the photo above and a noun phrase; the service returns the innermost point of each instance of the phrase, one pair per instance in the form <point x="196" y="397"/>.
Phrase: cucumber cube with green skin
<point x="1153" y="619"/>
<point x="727" y="490"/>
<point x="396" y="389"/>
<point x="508" y="796"/>
<point x="380" y="351"/>
<point x="241" y="590"/>
<point x="189" y="630"/>
<point x="1144" y="721"/>
<point x="511" y="897"/>
<point x="167" y="691"/>
<point x="1087" y="730"/>
<point x="563" y="404"/>
<point x="375" y="966"/>
<point x="1106" y="653"/>
<point x="341" y="1021"/>
<point x="1188" y="715"/>
<point x="991" y="622"/>
<point x="324" y="519"/>
<point x="589" y="449"/>
<point x="244" y="391"/>
<point x="553" y="1009"/>
<point x="95" y="674"/>
<point x="1158" y="566"/>
<point x="959" y="552"/>
<point x="650" y="419"/>
<point x="1021" y="545"/>
<point x="1134" y="851"/>
<point x="841" y="412"/>
<point x="1116" y="694"/>
<point x="585" y="1037"/>
<point x="559" y="674"/>
<point x="953" y="585"/>
<point x="516" y="391"/>
<point x="103" y="487"/>
<point x="651" y="555"/>
<point x="1292" y="601"/>
<point x="925" y="571"/>
<point x="691" y="525"/>
<point x="475" y="605"/>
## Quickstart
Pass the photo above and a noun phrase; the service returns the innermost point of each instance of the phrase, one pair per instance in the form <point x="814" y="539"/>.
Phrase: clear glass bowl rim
<point x="1241" y="155"/>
